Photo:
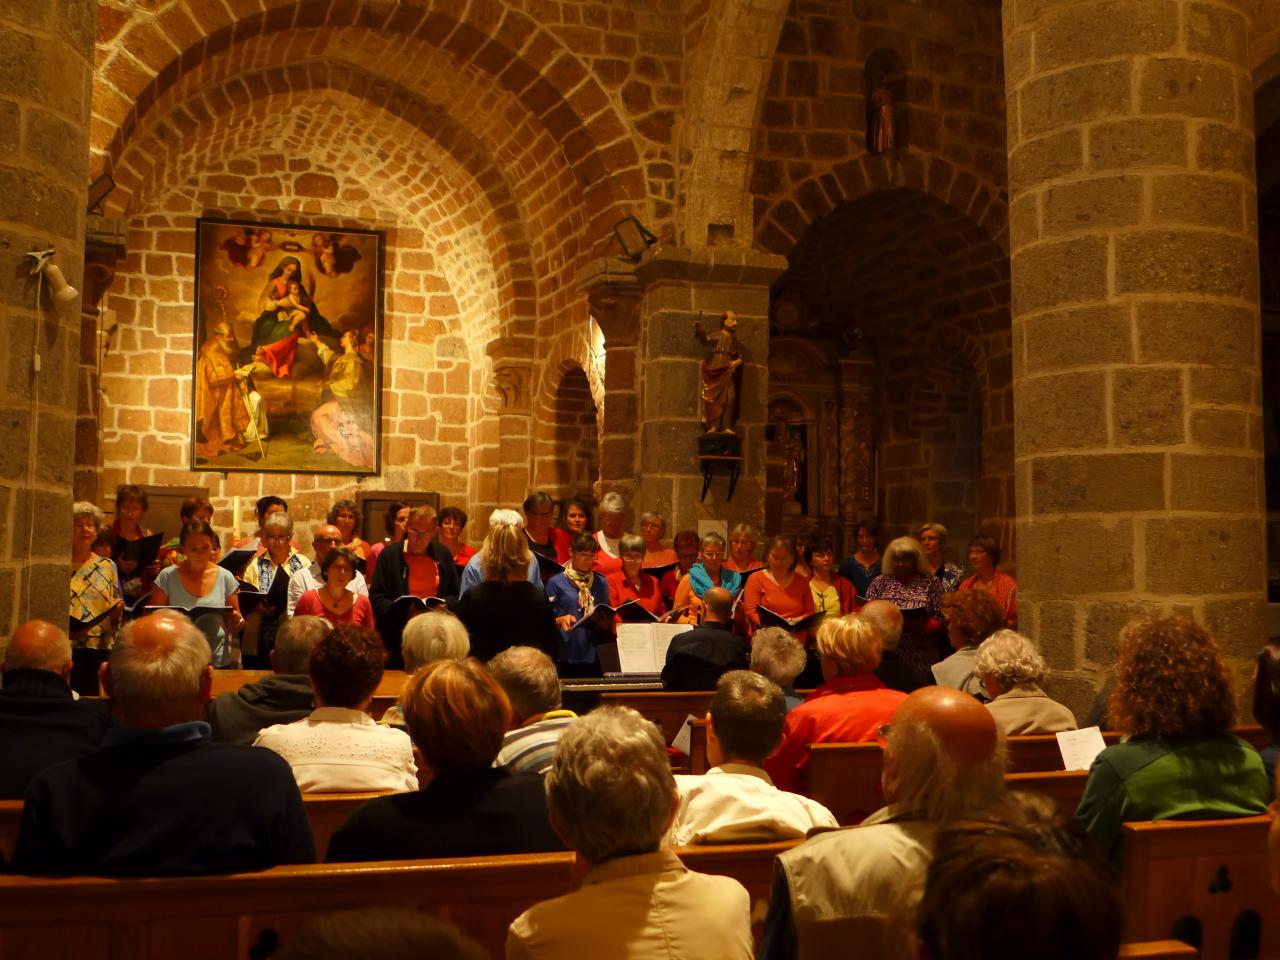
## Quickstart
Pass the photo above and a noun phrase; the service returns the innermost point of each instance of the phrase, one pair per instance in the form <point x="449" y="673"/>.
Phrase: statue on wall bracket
<point x="721" y="374"/>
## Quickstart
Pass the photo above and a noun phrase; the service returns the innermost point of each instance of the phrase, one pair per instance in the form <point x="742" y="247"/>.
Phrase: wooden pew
<point x="1066" y="787"/>
<point x="668" y="708"/>
<point x="328" y="811"/>
<point x="1158" y="950"/>
<point x="203" y="918"/>
<point x="845" y="778"/>
<point x="698" y="762"/>
<point x="10" y="819"/>
<point x="1214" y="871"/>
<point x="388" y="692"/>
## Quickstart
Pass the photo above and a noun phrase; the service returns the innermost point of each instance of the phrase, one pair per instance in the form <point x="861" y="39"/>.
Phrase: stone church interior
<point x="953" y="306"/>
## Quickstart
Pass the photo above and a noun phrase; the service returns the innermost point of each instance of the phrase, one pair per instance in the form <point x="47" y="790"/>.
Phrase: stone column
<point x="614" y="293"/>
<point x="46" y="63"/>
<point x="679" y="284"/>
<point x="1138" y="431"/>
<point x="512" y="359"/>
<point x="103" y="250"/>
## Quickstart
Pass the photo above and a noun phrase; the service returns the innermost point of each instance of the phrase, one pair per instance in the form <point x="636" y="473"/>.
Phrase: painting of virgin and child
<point x="288" y="323"/>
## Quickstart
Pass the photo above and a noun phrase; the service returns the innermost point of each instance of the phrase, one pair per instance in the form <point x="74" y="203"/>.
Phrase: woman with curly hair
<point x="1173" y="699"/>
<point x="972" y="616"/>
<point x="909" y="584"/>
<point x="1266" y="701"/>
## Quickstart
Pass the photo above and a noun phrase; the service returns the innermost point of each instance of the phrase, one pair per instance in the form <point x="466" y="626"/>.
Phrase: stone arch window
<point x="576" y="462"/>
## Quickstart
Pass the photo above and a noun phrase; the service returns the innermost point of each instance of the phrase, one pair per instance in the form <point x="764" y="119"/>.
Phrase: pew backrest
<point x="1158" y="950"/>
<point x="1213" y="873"/>
<point x="668" y="709"/>
<point x="10" y="820"/>
<point x="845" y="778"/>
<point x="202" y="918"/>
<point x="326" y="812"/>
<point x="1066" y="787"/>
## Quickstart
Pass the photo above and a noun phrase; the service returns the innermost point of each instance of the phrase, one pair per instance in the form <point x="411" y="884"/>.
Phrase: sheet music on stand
<point x="642" y="647"/>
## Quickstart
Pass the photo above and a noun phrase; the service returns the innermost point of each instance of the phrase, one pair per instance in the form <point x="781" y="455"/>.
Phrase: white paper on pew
<point x="684" y="739"/>
<point x="642" y="647"/>
<point x="1080" y="747"/>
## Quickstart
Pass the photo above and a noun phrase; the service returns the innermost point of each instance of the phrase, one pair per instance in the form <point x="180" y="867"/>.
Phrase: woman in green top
<point x="1179" y="761"/>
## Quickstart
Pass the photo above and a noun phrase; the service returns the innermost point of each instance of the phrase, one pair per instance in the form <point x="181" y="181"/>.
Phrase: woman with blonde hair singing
<point x="506" y="610"/>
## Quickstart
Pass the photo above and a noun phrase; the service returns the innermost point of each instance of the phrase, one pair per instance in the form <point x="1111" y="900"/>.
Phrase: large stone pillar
<point x="679" y="284"/>
<point x="512" y="359"/>
<point x="1138" y="432"/>
<point x="46" y="63"/>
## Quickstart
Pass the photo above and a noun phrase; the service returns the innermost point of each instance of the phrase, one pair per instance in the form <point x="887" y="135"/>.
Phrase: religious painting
<point x="287" y="356"/>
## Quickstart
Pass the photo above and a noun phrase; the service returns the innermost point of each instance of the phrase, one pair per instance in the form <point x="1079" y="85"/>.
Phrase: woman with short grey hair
<point x="612" y="513"/>
<point x="776" y="655"/>
<point x="95" y="603"/>
<point x="1012" y="669"/>
<point x="428" y="637"/>
<point x="279" y="558"/>
<point x="612" y="798"/>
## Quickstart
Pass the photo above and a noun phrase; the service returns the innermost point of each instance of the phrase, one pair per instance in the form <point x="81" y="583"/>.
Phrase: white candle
<point x="235" y="518"/>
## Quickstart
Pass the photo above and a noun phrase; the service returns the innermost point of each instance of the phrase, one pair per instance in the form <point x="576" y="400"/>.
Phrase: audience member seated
<point x="419" y="567"/>
<point x="451" y="521"/>
<point x="742" y="549"/>
<point x="943" y="759"/>
<point x="612" y="798"/>
<point x="984" y="555"/>
<point x="697" y="657"/>
<point x="338" y="748"/>
<point x="1273" y="838"/>
<point x="334" y="600"/>
<point x="396" y="521"/>
<point x="850" y="707"/>
<point x="428" y="637"/>
<point x="345" y="515"/>
<point x="893" y="671"/>
<point x="972" y="616"/>
<point x="1266" y="702"/>
<point x="528" y="677"/>
<point x="159" y="797"/>
<point x="1174" y="701"/>
<point x="909" y="584"/>
<point x="709" y="571"/>
<point x="864" y="566"/>
<point x="381" y="934"/>
<point x="777" y="587"/>
<point x="457" y="715"/>
<point x="1011" y="671"/>
<point x="652" y="529"/>
<point x="95" y="595"/>
<point x="41" y="722"/>
<point x="574" y="596"/>
<point x="507" y="609"/>
<point x="612" y="512"/>
<point x="833" y="595"/>
<point x="631" y="582"/>
<point x="933" y="540"/>
<point x="192" y="508"/>
<point x="238" y="716"/>
<point x="473" y="573"/>
<point x="198" y="581"/>
<point x="540" y="533"/>
<point x="736" y="802"/>
<point x="1026" y="879"/>
<point x="325" y="538"/>
<point x="778" y="656"/>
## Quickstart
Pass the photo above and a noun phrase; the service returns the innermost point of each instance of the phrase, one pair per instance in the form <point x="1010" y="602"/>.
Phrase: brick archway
<point x="566" y="432"/>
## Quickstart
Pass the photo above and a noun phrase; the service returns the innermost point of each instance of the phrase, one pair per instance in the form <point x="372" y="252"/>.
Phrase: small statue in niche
<point x="793" y="459"/>
<point x="881" y="119"/>
<point x="721" y="375"/>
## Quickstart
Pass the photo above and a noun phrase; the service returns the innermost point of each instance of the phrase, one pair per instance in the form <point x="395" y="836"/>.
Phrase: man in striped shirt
<point x="529" y="678"/>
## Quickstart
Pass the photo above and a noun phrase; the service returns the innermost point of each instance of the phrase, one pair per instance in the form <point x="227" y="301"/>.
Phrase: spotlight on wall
<point x="60" y="291"/>
<point x="633" y="238"/>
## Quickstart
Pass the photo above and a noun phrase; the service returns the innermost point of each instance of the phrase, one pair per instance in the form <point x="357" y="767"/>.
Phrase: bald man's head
<point x="719" y="605"/>
<point x="944" y="756"/>
<point x="325" y="538"/>
<point x="887" y="617"/>
<point x="159" y="671"/>
<point x="39" y="645"/>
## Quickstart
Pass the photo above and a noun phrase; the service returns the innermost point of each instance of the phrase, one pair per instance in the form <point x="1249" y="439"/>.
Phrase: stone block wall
<point x="429" y="436"/>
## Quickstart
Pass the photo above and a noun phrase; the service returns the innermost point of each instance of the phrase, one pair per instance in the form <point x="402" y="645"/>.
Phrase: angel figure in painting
<point x="249" y="249"/>
<point x="721" y="375"/>
<point x="332" y="258"/>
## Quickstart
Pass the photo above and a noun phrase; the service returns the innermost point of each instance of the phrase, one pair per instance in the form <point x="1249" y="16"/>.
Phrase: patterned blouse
<point x="951" y="575"/>
<point x="94" y="588"/>
<point x="920" y="601"/>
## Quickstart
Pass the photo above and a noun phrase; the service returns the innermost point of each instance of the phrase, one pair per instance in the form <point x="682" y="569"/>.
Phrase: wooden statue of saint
<point x="882" y="119"/>
<point x="721" y="375"/>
